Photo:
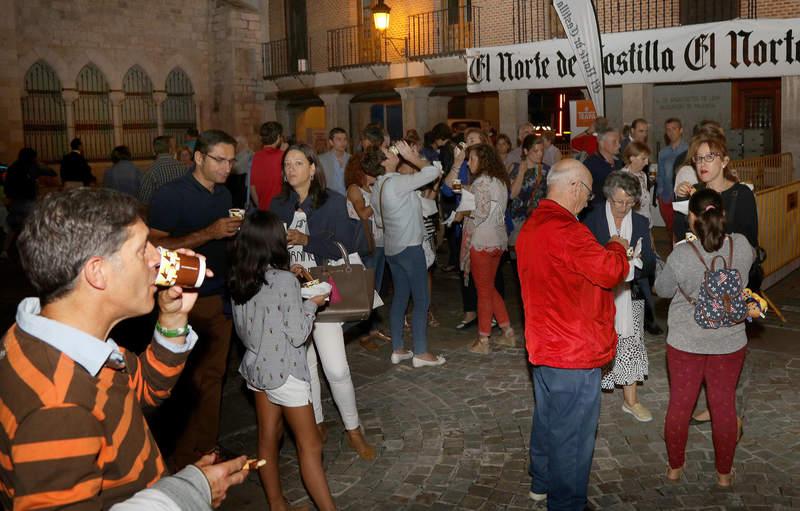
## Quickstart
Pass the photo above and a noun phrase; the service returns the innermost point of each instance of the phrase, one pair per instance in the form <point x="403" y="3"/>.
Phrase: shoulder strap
<point x="697" y="252"/>
<point x="732" y="212"/>
<point x="380" y="201"/>
<point x="730" y="252"/>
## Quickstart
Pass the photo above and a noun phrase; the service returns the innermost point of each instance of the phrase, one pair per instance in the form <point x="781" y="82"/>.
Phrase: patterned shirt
<point x="72" y="431"/>
<point x="164" y="170"/>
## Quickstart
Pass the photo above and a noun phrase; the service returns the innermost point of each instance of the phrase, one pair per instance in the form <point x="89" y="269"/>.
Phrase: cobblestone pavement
<point x="457" y="437"/>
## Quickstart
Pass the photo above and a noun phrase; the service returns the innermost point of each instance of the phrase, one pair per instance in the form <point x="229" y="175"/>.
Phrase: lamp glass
<point x="381" y="20"/>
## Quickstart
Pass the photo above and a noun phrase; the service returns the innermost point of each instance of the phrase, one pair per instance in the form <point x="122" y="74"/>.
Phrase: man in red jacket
<point x="566" y="279"/>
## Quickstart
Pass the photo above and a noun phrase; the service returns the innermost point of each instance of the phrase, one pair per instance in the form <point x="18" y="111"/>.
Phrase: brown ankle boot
<point x="356" y="440"/>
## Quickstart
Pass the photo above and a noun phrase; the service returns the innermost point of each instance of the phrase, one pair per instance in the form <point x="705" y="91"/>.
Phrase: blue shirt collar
<point x="86" y="350"/>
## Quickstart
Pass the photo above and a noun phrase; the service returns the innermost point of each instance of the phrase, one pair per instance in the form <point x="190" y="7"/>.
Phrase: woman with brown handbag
<point x="316" y="219"/>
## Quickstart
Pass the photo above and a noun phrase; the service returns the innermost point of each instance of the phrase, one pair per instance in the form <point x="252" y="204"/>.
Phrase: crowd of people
<point x="578" y="225"/>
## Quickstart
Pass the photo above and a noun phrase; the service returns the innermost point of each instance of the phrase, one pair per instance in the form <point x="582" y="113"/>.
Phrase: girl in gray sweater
<point x="694" y="354"/>
<point x="274" y="323"/>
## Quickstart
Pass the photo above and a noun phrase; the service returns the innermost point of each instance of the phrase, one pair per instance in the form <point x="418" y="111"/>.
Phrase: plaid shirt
<point x="164" y="170"/>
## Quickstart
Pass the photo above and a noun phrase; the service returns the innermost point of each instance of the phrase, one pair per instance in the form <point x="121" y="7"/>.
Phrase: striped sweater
<point x="72" y="440"/>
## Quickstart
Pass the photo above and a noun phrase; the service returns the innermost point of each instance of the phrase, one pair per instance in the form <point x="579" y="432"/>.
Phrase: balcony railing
<point x="537" y="20"/>
<point x="357" y="45"/>
<point x="278" y="60"/>
<point x="443" y="32"/>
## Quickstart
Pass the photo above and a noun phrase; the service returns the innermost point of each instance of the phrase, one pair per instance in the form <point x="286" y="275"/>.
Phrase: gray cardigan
<point x="274" y="326"/>
<point x="684" y="268"/>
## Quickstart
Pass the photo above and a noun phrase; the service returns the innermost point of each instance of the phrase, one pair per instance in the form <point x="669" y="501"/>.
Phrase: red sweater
<point x="566" y="278"/>
<point x="266" y="175"/>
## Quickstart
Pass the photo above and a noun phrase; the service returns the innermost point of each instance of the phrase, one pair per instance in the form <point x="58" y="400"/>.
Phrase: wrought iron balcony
<point x="537" y="20"/>
<point x="443" y="32"/>
<point x="356" y="45"/>
<point x="278" y="60"/>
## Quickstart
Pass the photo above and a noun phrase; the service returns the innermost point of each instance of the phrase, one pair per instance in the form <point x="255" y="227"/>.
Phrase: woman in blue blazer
<point x="616" y="218"/>
<point x="316" y="219"/>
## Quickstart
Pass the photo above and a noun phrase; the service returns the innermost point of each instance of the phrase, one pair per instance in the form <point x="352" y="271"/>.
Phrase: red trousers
<point x="667" y="213"/>
<point x="687" y="371"/>
<point x="483" y="265"/>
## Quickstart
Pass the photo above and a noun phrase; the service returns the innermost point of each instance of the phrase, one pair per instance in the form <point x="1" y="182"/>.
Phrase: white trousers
<point x="329" y="343"/>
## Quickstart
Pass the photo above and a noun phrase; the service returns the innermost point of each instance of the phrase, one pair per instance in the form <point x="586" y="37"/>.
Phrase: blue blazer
<point x="326" y="225"/>
<point x="595" y="220"/>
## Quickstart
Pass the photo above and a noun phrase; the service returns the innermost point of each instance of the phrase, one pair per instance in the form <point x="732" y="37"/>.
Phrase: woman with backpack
<point x="706" y="340"/>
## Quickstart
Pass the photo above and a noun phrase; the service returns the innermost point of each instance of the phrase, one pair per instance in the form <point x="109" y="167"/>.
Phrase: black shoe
<point x="653" y="329"/>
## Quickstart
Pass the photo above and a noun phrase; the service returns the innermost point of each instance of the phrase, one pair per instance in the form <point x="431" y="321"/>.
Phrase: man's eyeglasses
<point x="708" y="158"/>
<point x="222" y="161"/>
<point x="591" y="193"/>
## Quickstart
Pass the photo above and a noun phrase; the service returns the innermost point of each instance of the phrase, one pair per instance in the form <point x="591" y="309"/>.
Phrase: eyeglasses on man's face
<point x="222" y="161"/>
<point x="588" y="189"/>
<point x="708" y="158"/>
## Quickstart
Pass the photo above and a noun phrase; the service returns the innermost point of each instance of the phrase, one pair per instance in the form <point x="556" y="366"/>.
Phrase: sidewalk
<point x="457" y="437"/>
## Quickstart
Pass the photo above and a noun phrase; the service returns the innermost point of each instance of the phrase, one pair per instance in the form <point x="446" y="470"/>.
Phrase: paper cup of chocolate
<point x="236" y="213"/>
<point x="180" y="269"/>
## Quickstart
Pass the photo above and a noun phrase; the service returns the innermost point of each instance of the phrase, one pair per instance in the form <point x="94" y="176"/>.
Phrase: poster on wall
<point x="581" y="115"/>
<point x="711" y="51"/>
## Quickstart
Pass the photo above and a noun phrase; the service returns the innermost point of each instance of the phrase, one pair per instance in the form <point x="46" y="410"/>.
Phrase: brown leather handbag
<point x="355" y="285"/>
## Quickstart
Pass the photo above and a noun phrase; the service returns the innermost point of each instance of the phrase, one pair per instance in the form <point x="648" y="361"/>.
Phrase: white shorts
<point x="293" y="393"/>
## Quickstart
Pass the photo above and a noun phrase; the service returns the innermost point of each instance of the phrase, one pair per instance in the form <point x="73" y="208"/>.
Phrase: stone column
<point x="790" y="119"/>
<point x="637" y="101"/>
<point x="437" y="110"/>
<point x="70" y="96"/>
<point x="116" y="97"/>
<point x="415" y="108"/>
<point x="337" y="110"/>
<point x="359" y="118"/>
<point x="159" y="97"/>
<point x="513" y="106"/>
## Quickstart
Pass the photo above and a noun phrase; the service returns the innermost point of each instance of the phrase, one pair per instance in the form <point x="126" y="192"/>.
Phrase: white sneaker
<point x="537" y="497"/>
<point x="639" y="412"/>
<point x="421" y="362"/>
<point x="399" y="357"/>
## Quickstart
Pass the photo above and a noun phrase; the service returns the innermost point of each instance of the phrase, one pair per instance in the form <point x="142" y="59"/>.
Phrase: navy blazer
<point x="326" y="225"/>
<point x="595" y="220"/>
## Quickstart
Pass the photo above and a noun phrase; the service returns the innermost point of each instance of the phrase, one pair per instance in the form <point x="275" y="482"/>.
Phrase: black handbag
<point x="355" y="285"/>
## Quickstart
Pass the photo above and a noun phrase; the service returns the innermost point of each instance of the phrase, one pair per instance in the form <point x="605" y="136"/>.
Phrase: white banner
<point x="580" y="24"/>
<point x="714" y="51"/>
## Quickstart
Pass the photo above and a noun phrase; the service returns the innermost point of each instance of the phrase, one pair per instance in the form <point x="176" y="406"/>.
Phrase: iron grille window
<point x="179" y="111"/>
<point x="93" y="122"/>
<point x="44" y="121"/>
<point x="139" y="119"/>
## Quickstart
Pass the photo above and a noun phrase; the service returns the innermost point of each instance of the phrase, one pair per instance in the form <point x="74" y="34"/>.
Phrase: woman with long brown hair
<point x="485" y="239"/>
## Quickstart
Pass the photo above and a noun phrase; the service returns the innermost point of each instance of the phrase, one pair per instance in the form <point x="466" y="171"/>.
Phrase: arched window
<point x="179" y="112"/>
<point x="139" y="121"/>
<point x="44" y="118"/>
<point x="93" y="124"/>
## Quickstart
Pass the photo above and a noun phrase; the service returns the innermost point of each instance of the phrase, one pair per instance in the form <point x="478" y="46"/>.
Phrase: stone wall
<point x="216" y="42"/>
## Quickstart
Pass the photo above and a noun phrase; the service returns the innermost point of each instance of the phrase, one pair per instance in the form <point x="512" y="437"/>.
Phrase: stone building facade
<point x="237" y="57"/>
<point x="208" y="47"/>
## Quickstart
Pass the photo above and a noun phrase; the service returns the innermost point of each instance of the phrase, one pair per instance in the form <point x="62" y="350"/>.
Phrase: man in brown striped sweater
<point x="72" y="432"/>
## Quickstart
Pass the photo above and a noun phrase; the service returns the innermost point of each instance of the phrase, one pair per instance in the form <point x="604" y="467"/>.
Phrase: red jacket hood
<point x="567" y="279"/>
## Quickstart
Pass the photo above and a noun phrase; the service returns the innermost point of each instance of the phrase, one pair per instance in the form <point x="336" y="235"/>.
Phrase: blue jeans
<point x="410" y="278"/>
<point x="566" y="412"/>
<point x="376" y="261"/>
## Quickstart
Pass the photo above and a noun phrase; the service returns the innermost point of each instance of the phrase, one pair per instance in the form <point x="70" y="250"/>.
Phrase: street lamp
<point x="380" y="15"/>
